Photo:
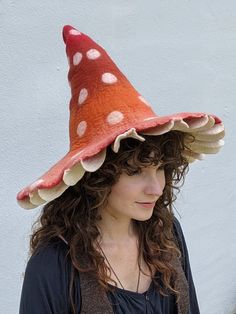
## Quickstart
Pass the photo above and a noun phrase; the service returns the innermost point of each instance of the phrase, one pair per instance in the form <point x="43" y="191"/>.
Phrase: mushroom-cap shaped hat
<point x="104" y="109"/>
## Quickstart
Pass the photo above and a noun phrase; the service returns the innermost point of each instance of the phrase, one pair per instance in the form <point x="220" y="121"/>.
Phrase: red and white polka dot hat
<point x="104" y="109"/>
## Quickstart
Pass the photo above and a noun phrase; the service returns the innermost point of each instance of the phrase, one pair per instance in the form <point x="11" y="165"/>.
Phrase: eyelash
<point x="134" y="172"/>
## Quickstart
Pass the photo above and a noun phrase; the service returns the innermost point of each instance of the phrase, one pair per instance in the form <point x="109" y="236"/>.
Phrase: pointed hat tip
<point x="66" y="31"/>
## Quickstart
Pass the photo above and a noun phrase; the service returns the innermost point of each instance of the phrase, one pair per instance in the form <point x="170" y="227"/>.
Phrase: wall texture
<point x="181" y="56"/>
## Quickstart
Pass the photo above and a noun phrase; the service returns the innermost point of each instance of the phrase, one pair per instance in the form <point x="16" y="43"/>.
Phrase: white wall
<point x="181" y="56"/>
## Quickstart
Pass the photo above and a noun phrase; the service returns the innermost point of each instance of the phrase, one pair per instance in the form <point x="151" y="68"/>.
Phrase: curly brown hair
<point x="74" y="214"/>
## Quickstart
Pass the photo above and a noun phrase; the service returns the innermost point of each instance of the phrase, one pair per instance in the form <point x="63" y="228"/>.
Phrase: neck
<point x="115" y="230"/>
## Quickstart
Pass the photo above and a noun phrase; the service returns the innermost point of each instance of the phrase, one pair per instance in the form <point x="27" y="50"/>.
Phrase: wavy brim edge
<point x="70" y="169"/>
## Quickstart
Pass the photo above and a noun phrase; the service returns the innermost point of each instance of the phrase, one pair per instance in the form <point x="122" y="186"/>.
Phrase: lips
<point x="146" y="204"/>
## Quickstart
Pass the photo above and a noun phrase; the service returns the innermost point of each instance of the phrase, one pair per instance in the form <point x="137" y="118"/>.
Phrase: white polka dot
<point x="82" y="126"/>
<point x="77" y="58"/>
<point x="93" y="54"/>
<point x="143" y="100"/>
<point x="74" y="32"/>
<point x="115" y="117"/>
<point x="82" y="96"/>
<point x="109" y="78"/>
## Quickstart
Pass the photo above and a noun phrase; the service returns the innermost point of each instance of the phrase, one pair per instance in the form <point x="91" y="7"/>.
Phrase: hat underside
<point x="208" y="140"/>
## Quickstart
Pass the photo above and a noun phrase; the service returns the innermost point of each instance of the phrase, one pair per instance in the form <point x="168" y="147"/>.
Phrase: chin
<point x="143" y="217"/>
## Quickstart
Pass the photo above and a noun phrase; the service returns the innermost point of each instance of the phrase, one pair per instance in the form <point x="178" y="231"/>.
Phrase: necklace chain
<point x="115" y="272"/>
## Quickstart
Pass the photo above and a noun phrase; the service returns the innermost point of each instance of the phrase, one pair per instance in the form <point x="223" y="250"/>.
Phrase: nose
<point x="155" y="186"/>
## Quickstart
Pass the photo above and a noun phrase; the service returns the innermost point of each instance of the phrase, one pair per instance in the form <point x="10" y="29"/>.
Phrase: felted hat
<point x="104" y="109"/>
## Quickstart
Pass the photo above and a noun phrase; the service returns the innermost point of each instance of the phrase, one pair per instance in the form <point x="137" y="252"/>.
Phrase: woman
<point x="107" y="240"/>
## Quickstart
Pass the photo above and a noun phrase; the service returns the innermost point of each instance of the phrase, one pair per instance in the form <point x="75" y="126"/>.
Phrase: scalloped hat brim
<point x="208" y="131"/>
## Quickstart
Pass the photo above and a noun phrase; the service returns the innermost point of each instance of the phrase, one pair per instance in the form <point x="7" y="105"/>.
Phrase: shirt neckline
<point x="130" y="292"/>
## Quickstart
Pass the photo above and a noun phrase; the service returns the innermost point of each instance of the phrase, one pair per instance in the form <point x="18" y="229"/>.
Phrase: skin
<point x="118" y="238"/>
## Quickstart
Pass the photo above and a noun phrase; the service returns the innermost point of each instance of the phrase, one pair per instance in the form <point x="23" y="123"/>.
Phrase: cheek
<point x="162" y="180"/>
<point x="163" y="183"/>
<point x="120" y="192"/>
<point x="118" y="200"/>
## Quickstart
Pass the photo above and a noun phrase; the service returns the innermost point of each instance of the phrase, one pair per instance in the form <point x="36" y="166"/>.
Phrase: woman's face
<point x="134" y="196"/>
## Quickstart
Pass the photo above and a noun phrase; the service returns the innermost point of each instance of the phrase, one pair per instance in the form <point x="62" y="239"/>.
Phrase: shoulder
<point x="178" y="232"/>
<point x="48" y="259"/>
<point x="53" y="249"/>
<point x="179" y="236"/>
<point x="176" y="223"/>
<point x="46" y="281"/>
<point x="186" y="265"/>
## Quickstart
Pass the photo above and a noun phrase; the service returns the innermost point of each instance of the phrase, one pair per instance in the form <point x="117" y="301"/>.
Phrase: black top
<point x="45" y="288"/>
<point x="150" y="302"/>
